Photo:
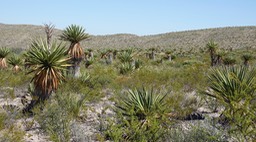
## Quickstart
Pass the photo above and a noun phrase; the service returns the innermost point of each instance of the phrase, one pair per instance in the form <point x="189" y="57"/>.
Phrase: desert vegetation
<point x="66" y="87"/>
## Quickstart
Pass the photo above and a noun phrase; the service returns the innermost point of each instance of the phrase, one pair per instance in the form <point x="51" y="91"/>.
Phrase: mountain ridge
<point x="19" y="36"/>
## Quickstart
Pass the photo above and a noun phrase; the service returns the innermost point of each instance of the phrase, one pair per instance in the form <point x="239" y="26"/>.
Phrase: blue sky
<point x="141" y="17"/>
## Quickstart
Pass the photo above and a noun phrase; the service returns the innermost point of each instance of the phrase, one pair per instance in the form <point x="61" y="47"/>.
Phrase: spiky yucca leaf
<point x="126" y="67"/>
<point x="247" y="56"/>
<point x="230" y="83"/>
<point x="4" y="51"/>
<point x="212" y="46"/>
<point x="14" y="60"/>
<point x="48" y="64"/>
<point x="74" y="34"/>
<point x="142" y="103"/>
<point x="234" y="87"/>
<point x="125" y="56"/>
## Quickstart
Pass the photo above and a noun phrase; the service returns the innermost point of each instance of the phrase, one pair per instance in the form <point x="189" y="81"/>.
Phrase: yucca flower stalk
<point x="48" y="28"/>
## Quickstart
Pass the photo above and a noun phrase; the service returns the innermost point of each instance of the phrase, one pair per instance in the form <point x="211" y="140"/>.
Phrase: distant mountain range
<point x="19" y="37"/>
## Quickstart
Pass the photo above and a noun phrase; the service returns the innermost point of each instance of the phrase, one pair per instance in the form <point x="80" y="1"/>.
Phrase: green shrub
<point x="3" y="117"/>
<point x="12" y="134"/>
<point x="197" y="133"/>
<point x="85" y="76"/>
<point x="58" y="114"/>
<point x="134" y="131"/>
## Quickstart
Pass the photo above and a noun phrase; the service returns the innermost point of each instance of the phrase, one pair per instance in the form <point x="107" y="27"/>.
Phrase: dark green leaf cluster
<point x="14" y="60"/>
<point x="142" y="103"/>
<point x="74" y="34"/>
<point x="4" y="52"/>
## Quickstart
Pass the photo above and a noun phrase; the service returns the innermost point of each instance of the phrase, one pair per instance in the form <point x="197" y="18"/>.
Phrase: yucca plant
<point x="48" y="65"/>
<point x="234" y="87"/>
<point x="212" y="48"/>
<point x="126" y="67"/>
<point x="3" y="54"/>
<point x="152" y="54"/>
<point x="168" y="55"/>
<point x="219" y="57"/>
<point x="229" y="60"/>
<point x="89" y="62"/>
<point x="137" y="63"/>
<point x="90" y="53"/>
<point x="142" y="103"/>
<point x="125" y="56"/>
<point x="15" y="61"/>
<point x="247" y="57"/>
<point x="75" y="34"/>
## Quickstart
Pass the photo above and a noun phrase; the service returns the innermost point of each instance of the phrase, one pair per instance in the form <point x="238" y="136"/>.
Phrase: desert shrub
<point x="58" y="113"/>
<point x="3" y="117"/>
<point x="85" y="77"/>
<point x="182" y="104"/>
<point x="197" y="133"/>
<point x="234" y="88"/>
<point x="191" y="62"/>
<point x="12" y="134"/>
<point x="10" y="79"/>
<point x="103" y="76"/>
<point x="74" y="103"/>
<point x="10" y="130"/>
<point x="134" y="131"/>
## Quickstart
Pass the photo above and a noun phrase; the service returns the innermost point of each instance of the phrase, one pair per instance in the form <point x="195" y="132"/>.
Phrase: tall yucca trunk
<point x="76" y="69"/>
<point x="42" y="97"/>
<point x="110" y="58"/>
<point x="246" y="62"/>
<point x="91" y="55"/>
<point x="169" y="57"/>
<point x="213" y="57"/>
<point x="153" y="55"/>
<point x="76" y="53"/>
